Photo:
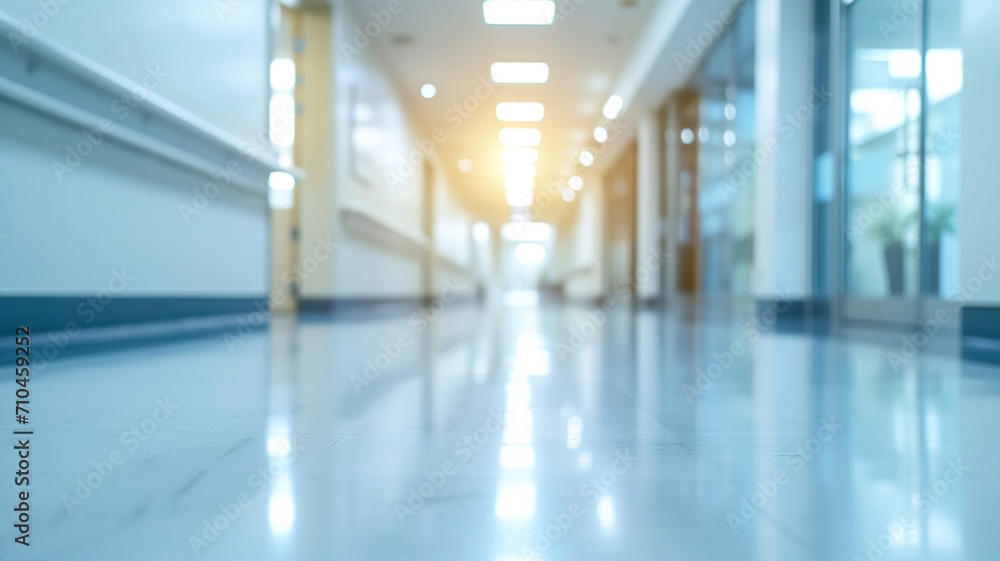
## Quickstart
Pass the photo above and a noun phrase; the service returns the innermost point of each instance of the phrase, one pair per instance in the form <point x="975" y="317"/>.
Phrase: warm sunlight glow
<point x="520" y="137"/>
<point x="519" y="156"/>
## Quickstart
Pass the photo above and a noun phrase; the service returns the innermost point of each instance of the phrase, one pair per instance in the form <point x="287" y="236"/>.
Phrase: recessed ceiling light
<point x="519" y="72"/>
<point x="576" y="183"/>
<point x="568" y="195"/>
<point x="519" y="155"/>
<point x="428" y="91"/>
<point x="613" y="107"/>
<point x="520" y="111"/>
<point x="520" y="137"/>
<point x="601" y="134"/>
<point x="519" y="12"/>
<point x="465" y="165"/>
<point x="586" y="158"/>
<point x="519" y="172"/>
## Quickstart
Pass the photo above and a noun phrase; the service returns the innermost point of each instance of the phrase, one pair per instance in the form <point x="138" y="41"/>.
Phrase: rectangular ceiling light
<point x="528" y="111"/>
<point x="519" y="12"/>
<point x="519" y="72"/>
<point x="519" y="156"/>
<point x="520" y="137"/>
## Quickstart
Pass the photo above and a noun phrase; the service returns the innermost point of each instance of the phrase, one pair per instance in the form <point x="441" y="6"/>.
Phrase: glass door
<point x="900" y="186"/>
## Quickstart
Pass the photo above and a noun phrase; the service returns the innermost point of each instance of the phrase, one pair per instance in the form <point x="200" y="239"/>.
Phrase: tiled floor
<point x="523" y="433"/>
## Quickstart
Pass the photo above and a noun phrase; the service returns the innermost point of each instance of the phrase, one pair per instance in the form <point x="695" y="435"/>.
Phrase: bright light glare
<point x="520" y="111"/>
<point x="519" y="172"/>
<point x="283" y="74"/>
<point x="282" y="113"/>
<point x="428" y="91"/>
<point x="568" y="195"/>
<point x="515" y="502"/>
<point x="576" y="183"/>
<point x="574" y="433"/>
<point x="280" y="200"/>
<point x="687" y="136"/>
<point x="520" y="137"/>
<point x="481" y="231"/>
<point x="281" y="181"/>
<point x="586" y="158"/>
<point x="519" y="198"/>
<point x="521" y="185"/>
<point x="522" y="457"/>
<point x="515" y="156"/>
<point x="529" y="253"/>
<point x="613" y="107"/>
<point x="519" y="12"/>
<point x="601" y="134"/>
<point x="526" y="231"/>
<point x="519" y="72"/>
<point x="904" y="63"/>
<point x="465" y="165"/>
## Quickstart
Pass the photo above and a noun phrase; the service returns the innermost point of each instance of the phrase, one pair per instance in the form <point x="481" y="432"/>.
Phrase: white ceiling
<point x="447" y="43"/>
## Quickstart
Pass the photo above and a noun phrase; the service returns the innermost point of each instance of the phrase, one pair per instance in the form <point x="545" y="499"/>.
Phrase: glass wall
<point x="714" y="137"/>
<point x="904" y="74"/>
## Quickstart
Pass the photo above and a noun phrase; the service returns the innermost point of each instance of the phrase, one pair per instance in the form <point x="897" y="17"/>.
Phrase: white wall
<point x="215" y="58"/>
<point x="121" y="209"/>
<point x="980" y="196"/>
<point x="373" y="136"/>
<point x="782" y="217"/>
<point x="581" y="244"/>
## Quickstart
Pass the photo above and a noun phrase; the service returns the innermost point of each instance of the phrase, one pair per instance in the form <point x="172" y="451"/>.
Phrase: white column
<point x="647" y="212"/>
<point x="786" y="104"/>
<point x="978" y="228"/>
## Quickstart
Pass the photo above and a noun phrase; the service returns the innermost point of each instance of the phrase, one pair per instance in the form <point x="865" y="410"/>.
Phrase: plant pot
<point x="894" y="268"/>
<point x="934" y="267"/>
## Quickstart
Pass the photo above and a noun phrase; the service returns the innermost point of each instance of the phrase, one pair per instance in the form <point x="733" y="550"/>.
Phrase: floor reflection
<point x="529" y="430"/>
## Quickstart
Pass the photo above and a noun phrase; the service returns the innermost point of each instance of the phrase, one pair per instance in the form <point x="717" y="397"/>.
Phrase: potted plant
<point x="940" y="220"/>
<point x="890" y="231"/>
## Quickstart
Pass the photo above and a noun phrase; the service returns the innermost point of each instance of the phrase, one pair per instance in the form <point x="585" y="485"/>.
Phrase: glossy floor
<point x="548" y="432"/>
